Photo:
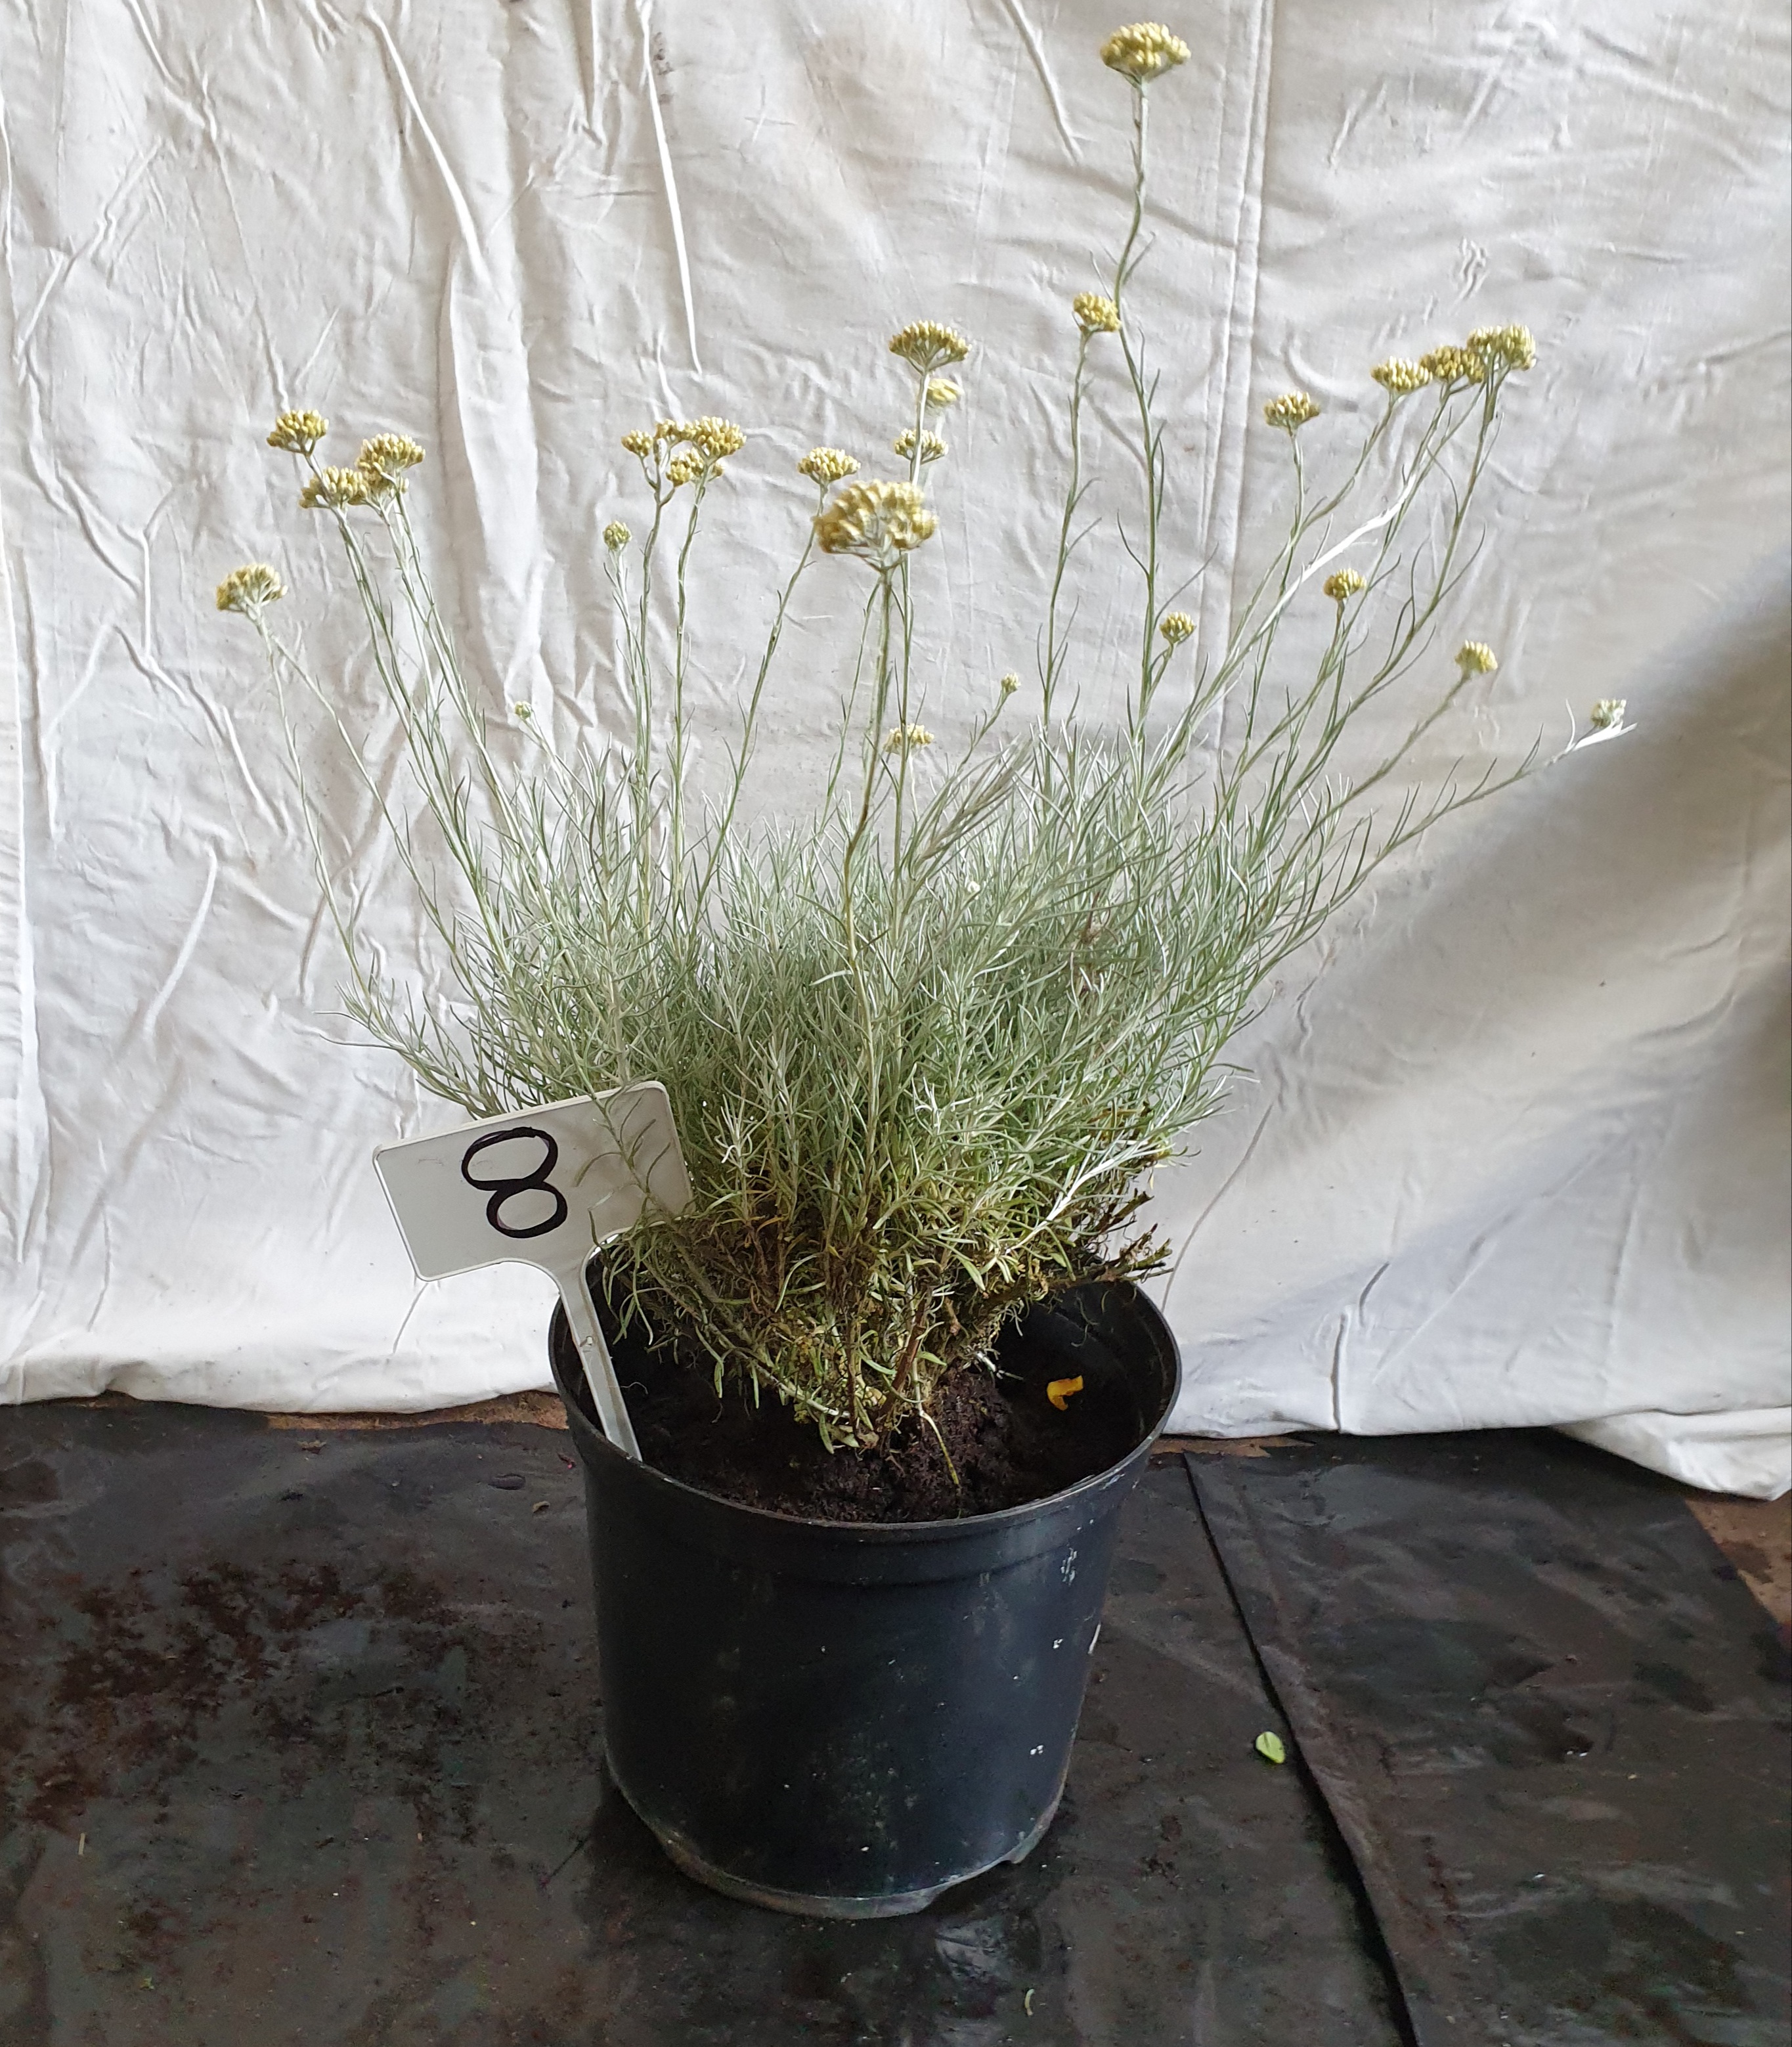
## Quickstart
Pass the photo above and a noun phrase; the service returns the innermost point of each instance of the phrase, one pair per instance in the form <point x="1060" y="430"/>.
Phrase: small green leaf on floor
<point x="1269" y="1747"/>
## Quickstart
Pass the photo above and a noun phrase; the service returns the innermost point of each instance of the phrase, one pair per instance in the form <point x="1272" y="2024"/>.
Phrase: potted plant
<point x="923" y="1047"/>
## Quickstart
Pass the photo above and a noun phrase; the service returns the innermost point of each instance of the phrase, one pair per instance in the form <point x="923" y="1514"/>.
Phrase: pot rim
<point x="878" y="1532"/>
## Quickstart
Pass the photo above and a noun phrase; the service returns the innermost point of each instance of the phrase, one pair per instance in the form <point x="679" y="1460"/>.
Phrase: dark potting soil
<point x="1007" y="1443"/>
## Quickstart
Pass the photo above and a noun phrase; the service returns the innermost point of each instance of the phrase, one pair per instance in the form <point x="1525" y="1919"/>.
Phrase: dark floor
<point x="298" y="1737"/>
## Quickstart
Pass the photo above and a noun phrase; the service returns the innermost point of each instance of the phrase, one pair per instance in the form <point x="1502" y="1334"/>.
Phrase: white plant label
<point x="543" y="1186"/>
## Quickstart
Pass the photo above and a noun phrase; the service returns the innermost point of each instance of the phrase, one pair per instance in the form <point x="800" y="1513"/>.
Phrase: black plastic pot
<point x="845" y="1719"/>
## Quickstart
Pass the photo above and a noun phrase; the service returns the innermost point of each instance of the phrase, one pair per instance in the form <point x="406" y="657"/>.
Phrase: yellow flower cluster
<point x="616" y="536"/>
<point x="1293" y="412"/>
<point x="941" y="393"/>
<point x="877" y="521"/>
<point x="1489" y="349"/>
<point x="298" y="433"/>
<point x="387" y="456"/>
<point x="905" y="738"/>
<point x="1509" y="347"/>
<point x="1451" y="364"/>
<point x="1344" y="583"/>
<point x="1009" y="684"/>
<point x="1398" y="376"/>
<point x="335" y="488"/>
<point x="713" y="438"/>
<point x="926" y="345"/>
<point x="827" y="465"/>
<point x="378" y="471"/>
<point x="1176" y="626"/>
<point x="1608" y="712"/>
<point x="703" y="444"/>
<point x="1475" y="657"/>
<point x="932" y="447"/>
<point x="1143" y="51"/>
<point x="1096" y="314"/>
<point x="247" y="589"/>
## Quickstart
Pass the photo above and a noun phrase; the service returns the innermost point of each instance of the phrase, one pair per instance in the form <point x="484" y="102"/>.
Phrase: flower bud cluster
<point x="331" y="489"/>
<point x="1508" y="347"/>
<point x="1450" y="365"/>
<point x="1399" y="378"/>
<point x="932" y="447"/>
<point x="700" y="447"/>
<point x="879" y="522"/>
<point x="827" y="465"/>
<point x="1143" y="51"/>
<point x="926" y="345"/>
<point x="247" y="589"/>
<point x="298" y="433"/>
<point x="1292" y="412"/>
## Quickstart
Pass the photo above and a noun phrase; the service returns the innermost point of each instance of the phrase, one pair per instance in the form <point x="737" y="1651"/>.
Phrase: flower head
<point x="1475" y="657"/>
<point x="1450" y="365"/>
<point x="905" y="738"/>
<point x="927" y="346"/>
<point x="1176" y="626"/>
<point x="247" y="589"/>
<point x="1608" y="712"/>
<point x="713" y="438"/>
<point x="1343" y="583"/>
<point x="1095" y="314"/>
<point x="1504" y="347"/>
<point x="877" y="521"/>
<point x="334" y="488"/>
<point x="827" y="465"/>
<point x="686" y="468"/>
<point x="931" y="446"/>
<point x="298" y="433"/>
<point x="1009" y="684"/>
<point x="1291" y="412"/>
<point x="941" y="393"/>
<point x="386" y="457"/>
<point x="1397" y="376"/>
<point x="616" y="536"/>
<point x="1143" y="51"/>
<point x="523" y="711"/>
<point x="639" y="443"/>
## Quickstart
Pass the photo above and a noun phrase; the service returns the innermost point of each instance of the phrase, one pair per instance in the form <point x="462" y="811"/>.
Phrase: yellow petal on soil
<point x="1058" y="1392"/>
<point x="1269" y="1747"/>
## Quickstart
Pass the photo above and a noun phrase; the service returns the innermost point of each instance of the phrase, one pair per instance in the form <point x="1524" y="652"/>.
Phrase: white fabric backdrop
<point x="1519" y="1156"/>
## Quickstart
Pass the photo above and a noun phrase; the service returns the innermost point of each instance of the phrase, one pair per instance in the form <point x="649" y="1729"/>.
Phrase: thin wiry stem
<point x="925" y="1045"/>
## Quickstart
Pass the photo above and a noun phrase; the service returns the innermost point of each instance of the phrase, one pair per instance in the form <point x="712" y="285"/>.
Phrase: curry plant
<point x="925" y="1045"/>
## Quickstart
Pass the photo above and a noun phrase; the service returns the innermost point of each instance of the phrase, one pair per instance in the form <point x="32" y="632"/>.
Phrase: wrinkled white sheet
<point x="1517" y="1156"/>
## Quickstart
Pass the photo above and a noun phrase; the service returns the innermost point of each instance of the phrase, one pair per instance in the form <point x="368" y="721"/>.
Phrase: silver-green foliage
<point x="922" y="1047"/>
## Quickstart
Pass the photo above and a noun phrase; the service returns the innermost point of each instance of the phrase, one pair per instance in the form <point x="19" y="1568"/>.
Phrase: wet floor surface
<point x="1551" y="1723"/>
<point x="300" y="1743"/>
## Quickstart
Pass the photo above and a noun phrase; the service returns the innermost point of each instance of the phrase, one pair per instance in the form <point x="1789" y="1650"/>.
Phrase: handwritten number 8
<point x="502" y="1190"/>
